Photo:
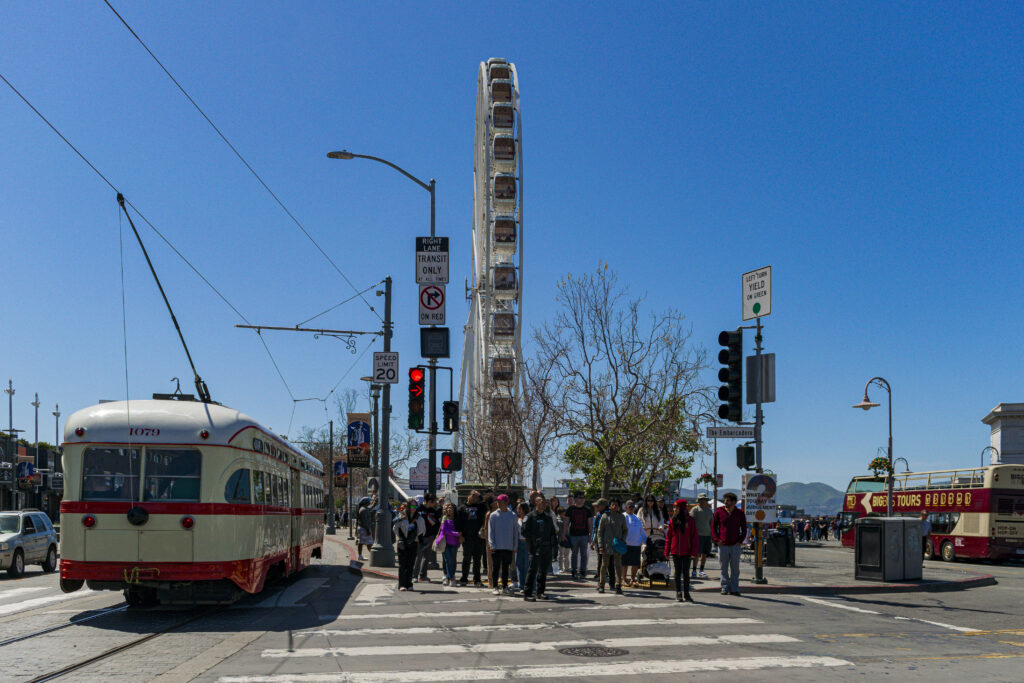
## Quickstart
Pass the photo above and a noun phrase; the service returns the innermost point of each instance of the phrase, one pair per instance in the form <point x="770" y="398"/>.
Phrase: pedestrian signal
<point x="451" y="461"/>
<point x="745" y="457"/>
<point x="416" y="398"/>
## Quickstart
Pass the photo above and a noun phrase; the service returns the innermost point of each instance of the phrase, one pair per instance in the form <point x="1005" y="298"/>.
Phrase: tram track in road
<point x="106" y="654"/>
<point x="75" y="622"/>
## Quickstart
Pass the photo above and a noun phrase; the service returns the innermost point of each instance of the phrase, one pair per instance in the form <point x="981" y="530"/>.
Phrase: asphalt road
<point x="330" y="625"/>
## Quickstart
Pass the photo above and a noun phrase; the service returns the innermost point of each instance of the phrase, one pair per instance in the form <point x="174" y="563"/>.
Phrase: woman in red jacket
<point x="681" y="544"/>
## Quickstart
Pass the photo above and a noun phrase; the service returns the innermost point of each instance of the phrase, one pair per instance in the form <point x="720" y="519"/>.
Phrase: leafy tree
<point x="624" y="383"/>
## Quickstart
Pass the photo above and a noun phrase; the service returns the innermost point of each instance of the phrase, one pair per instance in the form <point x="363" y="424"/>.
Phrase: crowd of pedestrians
<point x="517" y="545"/>
<point x="818" y="528"/>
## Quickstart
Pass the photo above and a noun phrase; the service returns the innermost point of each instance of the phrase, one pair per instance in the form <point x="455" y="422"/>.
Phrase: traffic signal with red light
<point x="451" y="461"/>
<point x="731" y="357"/>
<point x="416" y="402"/>
<point x="450" y="415"/>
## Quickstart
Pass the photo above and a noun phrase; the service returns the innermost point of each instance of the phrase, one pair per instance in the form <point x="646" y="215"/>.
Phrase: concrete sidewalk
<point x="822" y="569"/>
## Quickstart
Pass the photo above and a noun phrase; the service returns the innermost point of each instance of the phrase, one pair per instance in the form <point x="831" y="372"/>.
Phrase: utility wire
<point x="341" y="303"/>
<point x="243" y="160"/>
<point x="147" y="222"/>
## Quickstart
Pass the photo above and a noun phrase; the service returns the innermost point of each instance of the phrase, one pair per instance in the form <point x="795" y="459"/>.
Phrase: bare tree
<point x="495" y="444"/>
<point x="623" y="383"/>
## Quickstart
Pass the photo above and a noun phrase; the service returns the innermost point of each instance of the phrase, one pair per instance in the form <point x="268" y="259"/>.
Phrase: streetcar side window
<point x="172" y="474"/>
<point x="237" y="488"/>
<point x="110" y="474"/>
<point x="258" y="495"/>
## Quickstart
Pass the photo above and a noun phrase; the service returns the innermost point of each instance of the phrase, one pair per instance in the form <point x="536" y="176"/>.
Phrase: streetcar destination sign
<point x="431" y="260"/>
<point x="730" y="433"/>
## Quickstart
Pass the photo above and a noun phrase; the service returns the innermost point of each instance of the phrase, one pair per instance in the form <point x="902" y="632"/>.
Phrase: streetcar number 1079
<point x="144" y="431"/>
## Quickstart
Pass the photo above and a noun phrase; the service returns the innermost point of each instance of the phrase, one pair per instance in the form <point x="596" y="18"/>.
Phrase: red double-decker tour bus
<point x="975" y="513"/>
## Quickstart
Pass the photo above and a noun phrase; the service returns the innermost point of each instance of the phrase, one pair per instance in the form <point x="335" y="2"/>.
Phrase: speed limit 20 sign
<point x="385" y="367"/>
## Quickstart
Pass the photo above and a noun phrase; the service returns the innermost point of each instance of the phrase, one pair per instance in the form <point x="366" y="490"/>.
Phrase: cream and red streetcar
<point x="183" y="502"/>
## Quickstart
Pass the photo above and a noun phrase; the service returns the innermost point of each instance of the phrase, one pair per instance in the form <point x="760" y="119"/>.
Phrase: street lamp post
<point x="35" y="404"/>
<point x="10" y="406"/>
<point x="989" y="448"/>
<point x="56" y="432"/>
<point x="432" y="363"/>
<point x="330" y="530"/>
<point x="374" y="397"/>
<point x="866" y="404"/>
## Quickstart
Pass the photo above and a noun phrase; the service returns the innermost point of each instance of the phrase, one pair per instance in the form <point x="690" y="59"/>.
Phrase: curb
<point x="977" y="581"/>
<point x="355" y="566"/>
<point x="851" y="589"/>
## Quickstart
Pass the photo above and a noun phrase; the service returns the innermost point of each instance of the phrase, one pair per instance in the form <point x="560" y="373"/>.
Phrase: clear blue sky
<point x="872" y="153"/>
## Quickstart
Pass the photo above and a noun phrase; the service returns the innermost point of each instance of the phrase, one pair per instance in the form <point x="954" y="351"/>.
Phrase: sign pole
<point x="758" y="419"/>
<point x="382" y="554"/>
<point x="330" y="482"/>
<point x="431" y="387"/>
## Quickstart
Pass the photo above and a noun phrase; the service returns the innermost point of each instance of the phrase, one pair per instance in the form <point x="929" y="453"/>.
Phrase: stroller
<point x="653" y="563"/>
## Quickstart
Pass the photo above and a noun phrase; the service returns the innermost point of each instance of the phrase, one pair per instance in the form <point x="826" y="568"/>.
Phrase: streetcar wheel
<point x="71" y="585"/>
<point x="929" y="550"/>
<point x="948" y="555"/>
<point x="50" y="563"/>
<point x="17" y="567"/>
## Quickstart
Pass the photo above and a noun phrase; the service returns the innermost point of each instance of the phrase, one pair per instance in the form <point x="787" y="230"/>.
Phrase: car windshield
<point x="9" y="524"/>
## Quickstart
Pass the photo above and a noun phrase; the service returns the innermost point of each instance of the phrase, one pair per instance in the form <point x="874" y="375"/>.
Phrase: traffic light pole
<point x="758" y="420"/>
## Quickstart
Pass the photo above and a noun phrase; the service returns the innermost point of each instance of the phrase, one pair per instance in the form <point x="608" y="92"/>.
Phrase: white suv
<point x="26" y="537"/>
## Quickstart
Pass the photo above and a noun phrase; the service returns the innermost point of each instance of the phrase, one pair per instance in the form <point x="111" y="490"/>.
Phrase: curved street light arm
<point x="410" y="176"/>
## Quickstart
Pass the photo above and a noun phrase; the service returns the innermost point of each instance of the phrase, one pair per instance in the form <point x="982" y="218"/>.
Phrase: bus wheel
<point x="929" y="550"/>
<point x="947" y="552"/>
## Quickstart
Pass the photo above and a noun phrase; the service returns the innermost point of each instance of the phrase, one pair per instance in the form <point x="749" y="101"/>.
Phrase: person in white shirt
<point x="635" y="537"/>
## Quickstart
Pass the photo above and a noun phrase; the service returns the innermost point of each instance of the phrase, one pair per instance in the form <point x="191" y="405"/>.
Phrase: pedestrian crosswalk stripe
<point x="453" y="648"/>
<point x="290" y="596"/>
<point x="558" y="671"/>
<point x="22" y="591"/>
<point x="435" y="616"/>
<point x="37" y="602"/>
<point x="481" y="628"/>
<point x="374" y="592"/>
<point x="837" y="604"/>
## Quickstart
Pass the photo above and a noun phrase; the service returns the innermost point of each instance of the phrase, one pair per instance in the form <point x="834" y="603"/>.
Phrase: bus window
<point x="172" y="474"/>
<point x="870" y="486"/>
<point x="237" y="488"/>
<point x="110" y="474"/>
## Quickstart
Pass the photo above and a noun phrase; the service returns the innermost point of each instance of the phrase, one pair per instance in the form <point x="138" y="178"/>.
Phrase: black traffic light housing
<point x="451" y="461"/>
<point x="745" y="458"/>
<point x="416" y="398"/>
<point x="731" y="357"/>
<point x="450" y="416"/>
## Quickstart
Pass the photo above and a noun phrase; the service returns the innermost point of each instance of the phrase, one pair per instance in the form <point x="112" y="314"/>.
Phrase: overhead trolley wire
<point x="243" y="160"/>
<point x="149" y="223"/>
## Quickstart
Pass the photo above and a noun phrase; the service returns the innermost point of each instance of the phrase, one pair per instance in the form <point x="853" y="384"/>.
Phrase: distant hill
<point x="815" y="498"/>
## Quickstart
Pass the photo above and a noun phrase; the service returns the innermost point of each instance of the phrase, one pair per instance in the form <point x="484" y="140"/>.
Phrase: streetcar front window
<point x="110" y="474"/>
<point x="237" y="488"/>
<point x="172" y="474"/>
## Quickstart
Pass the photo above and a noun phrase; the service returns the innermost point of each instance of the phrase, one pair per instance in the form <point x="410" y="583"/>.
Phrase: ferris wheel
<point x="492" y="354"/>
